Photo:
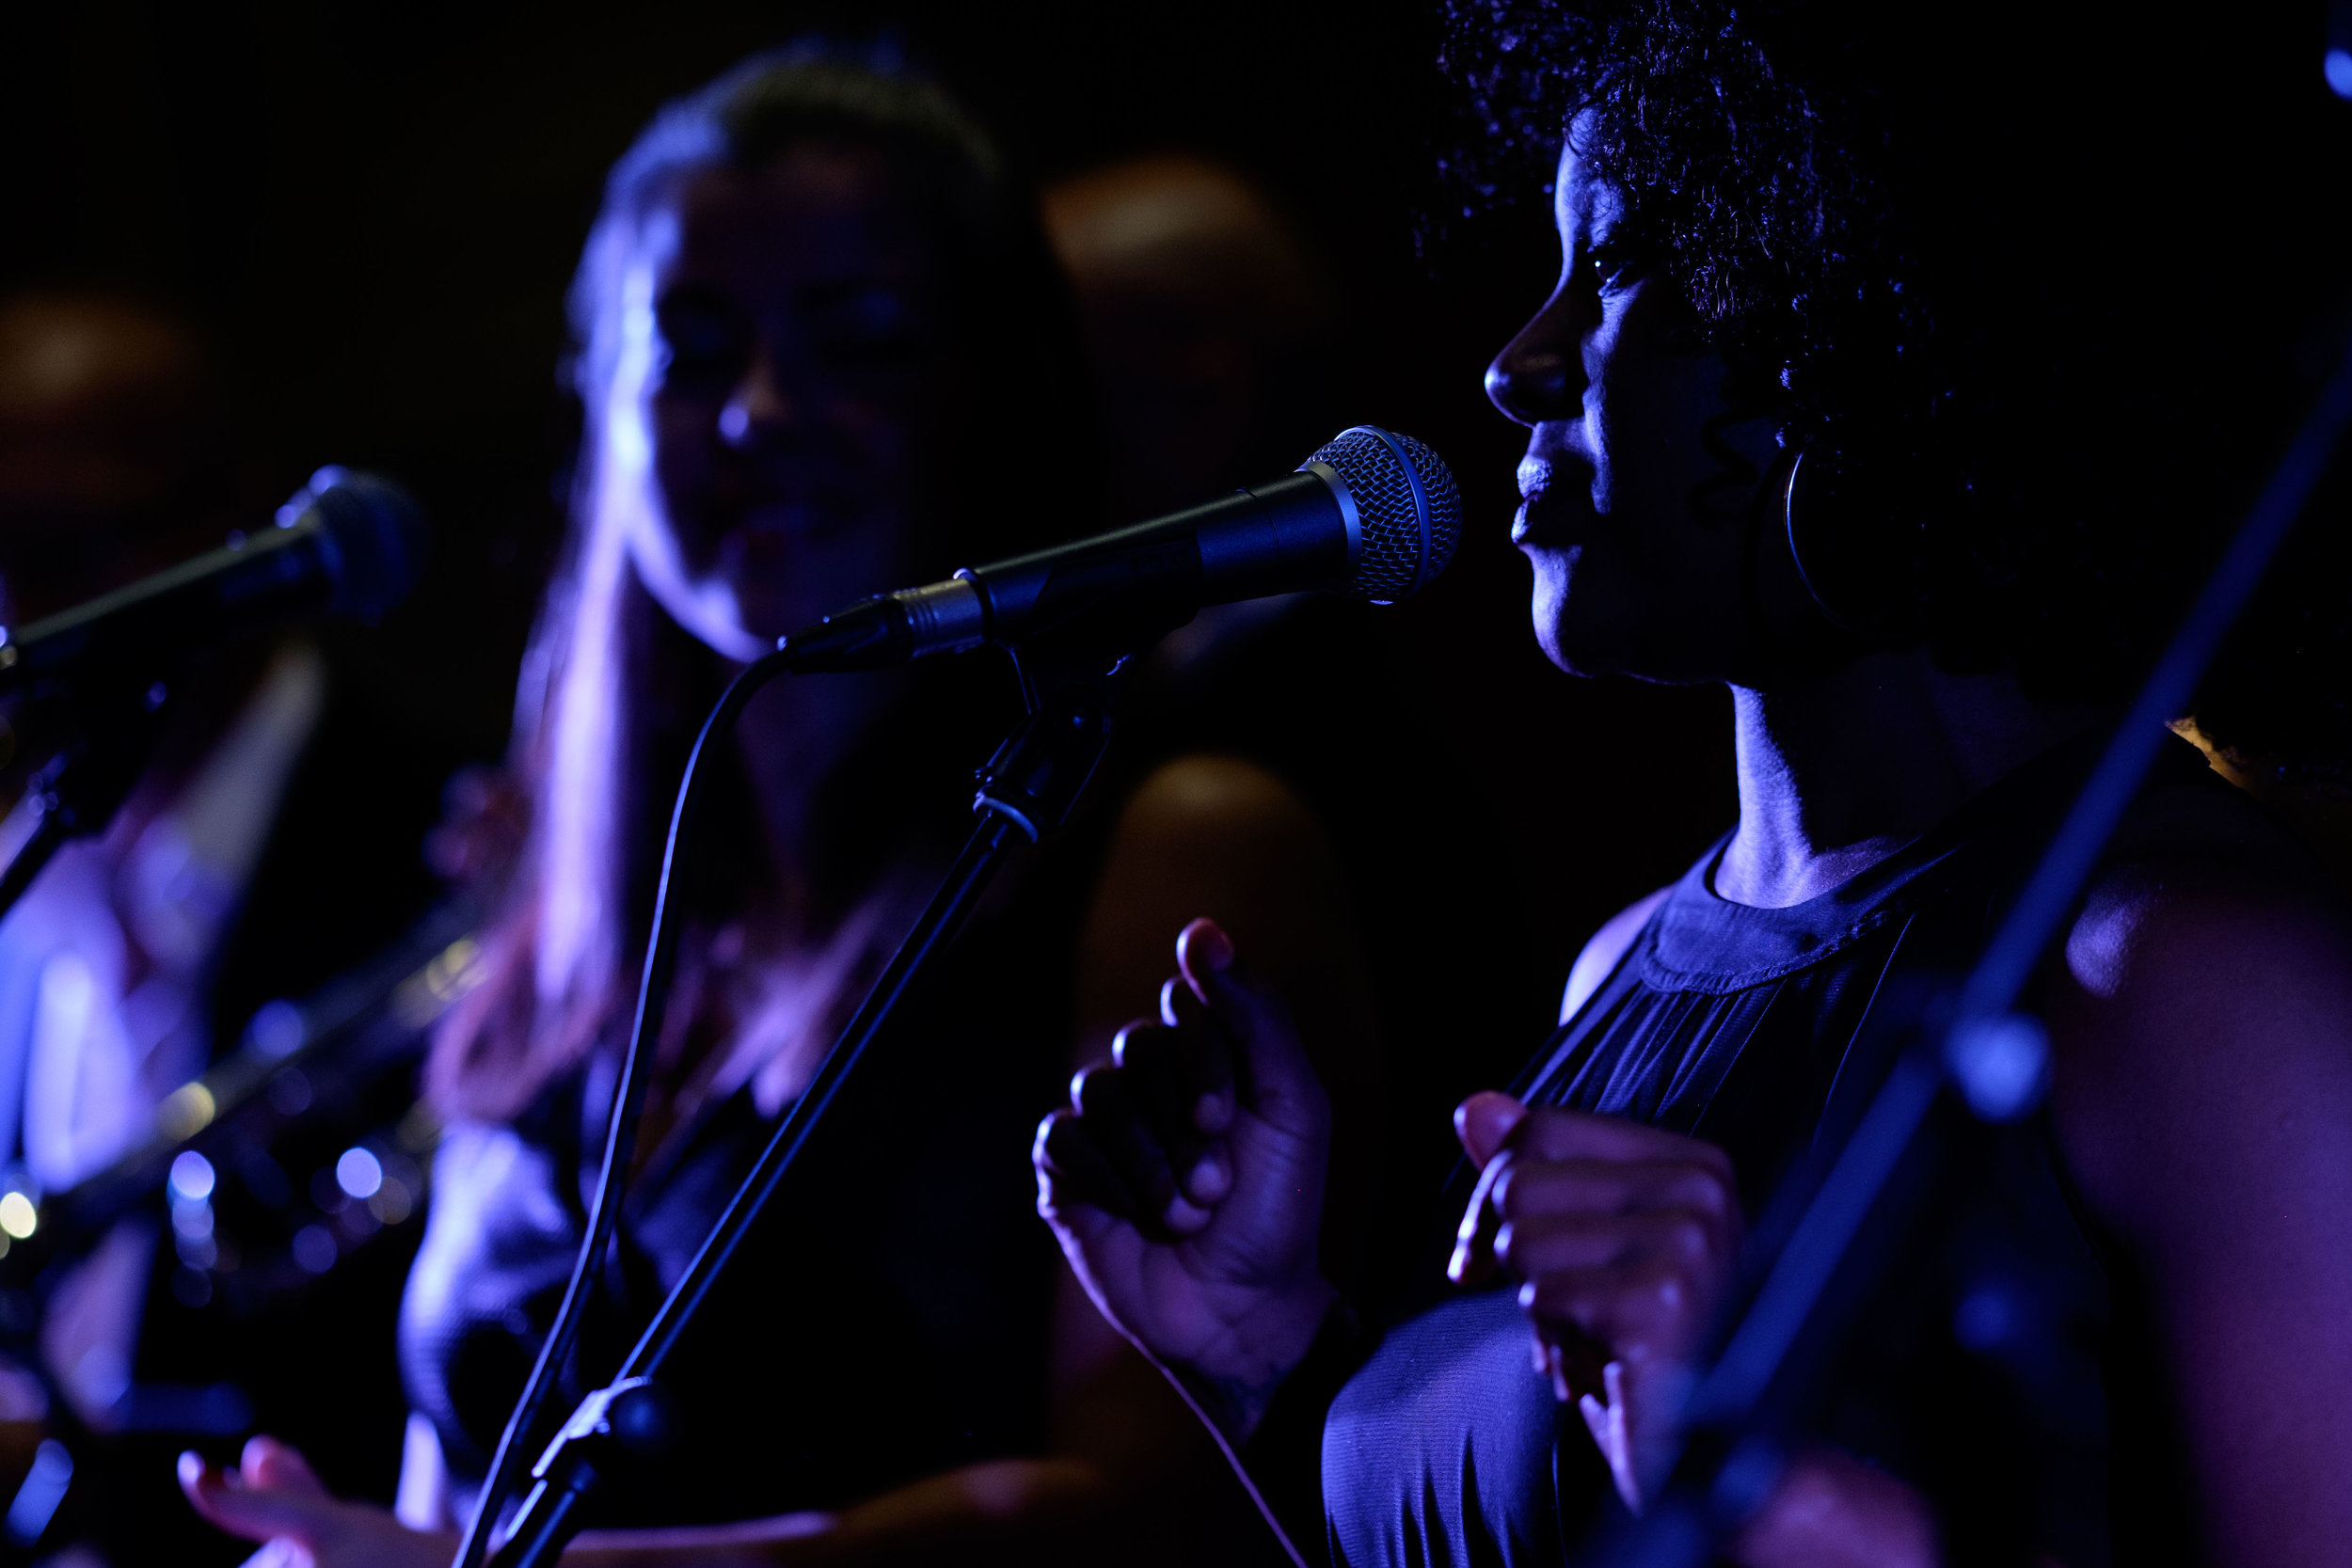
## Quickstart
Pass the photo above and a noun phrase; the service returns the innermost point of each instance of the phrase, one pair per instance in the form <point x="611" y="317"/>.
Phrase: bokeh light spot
<point x="314" y="1248"/>
<point x="359" y="1173"/>
<point x="191" y="1177"/>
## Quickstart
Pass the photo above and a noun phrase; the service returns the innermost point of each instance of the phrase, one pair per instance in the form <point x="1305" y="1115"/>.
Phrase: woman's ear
<point x="1835" y="564"/>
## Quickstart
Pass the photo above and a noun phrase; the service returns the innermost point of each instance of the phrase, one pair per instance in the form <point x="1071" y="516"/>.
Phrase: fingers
<point x="1554" y="1134"/>
<point x="1643" y="1309"/>
<point x="1485" y="1123"/>
<point x="1104" y="1152"/>
<point x="1144" y="1137"/>
<point x="1072" y="1172"/>
<point x="1272" y="1074"/>
<point x="1205" y="1065"/>
<point x="1624" y="1234"/>
<point x="1525" y="1188"/>
<point x="1516" y="1187"/>
<point x="1607" y="1416"/>
<point x="1473" y="1240"/>
<point x="1552" y="1244"/>
<point x="276" y="1466"/>
<point x="1489" y="1122"/>
<point x="228" y="1502"/>
<point x="1572" y="1361"/>
<point x="282" y="1552"/>
<point x="1111" y="1105"/>
<point x="1185" y="1072"/>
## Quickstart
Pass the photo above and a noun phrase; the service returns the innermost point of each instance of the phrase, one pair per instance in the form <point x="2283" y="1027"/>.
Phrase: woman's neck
<point x="792" y="735"/>
<point x="1839" y="771"/>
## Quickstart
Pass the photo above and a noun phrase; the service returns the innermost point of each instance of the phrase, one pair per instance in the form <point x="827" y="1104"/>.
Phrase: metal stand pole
<point x="1026" y="791"/>
<point x="1731" y="1456"/>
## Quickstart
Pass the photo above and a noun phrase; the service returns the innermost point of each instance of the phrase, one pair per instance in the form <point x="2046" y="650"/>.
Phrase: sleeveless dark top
<point x="885" y="1321"/>
<point x="2005" y="1372"/>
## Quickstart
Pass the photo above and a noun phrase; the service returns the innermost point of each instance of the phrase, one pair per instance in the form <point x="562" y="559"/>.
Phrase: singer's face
<point x="797" y="384"/>
<point x="1636" y="484"/>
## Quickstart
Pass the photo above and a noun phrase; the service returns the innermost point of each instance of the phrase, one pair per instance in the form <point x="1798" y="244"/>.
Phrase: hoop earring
<point x="1846" y="552"/>
<point x="1807" y="495"/>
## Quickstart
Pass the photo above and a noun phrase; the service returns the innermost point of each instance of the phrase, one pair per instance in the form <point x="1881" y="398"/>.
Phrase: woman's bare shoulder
<point x="1220" y="836"/>
<point x="2202" y="1001"/>
<point x="1208" y="793"/>
<point x="2200" y="1014"/>
<point x="1606" y="947"/>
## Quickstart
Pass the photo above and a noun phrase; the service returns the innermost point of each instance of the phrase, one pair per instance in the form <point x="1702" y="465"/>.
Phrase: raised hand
<point x="1186" y="1182"/>
<point x="274" y="1498"/>
<point x="1624" y="1238"/>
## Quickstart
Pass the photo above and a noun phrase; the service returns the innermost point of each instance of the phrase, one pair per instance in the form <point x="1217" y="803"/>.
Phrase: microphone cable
<point x="1402" y="514"/>
<point x="620" y="1143"/>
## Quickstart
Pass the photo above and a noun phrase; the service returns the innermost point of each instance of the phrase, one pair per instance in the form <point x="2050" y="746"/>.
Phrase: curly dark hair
<point x="2067" y="273"/>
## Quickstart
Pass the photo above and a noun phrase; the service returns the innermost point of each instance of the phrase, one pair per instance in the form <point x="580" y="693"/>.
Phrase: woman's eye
<point x="706" y="345"/>
<point x="870" y="327"/>
<point x="1610" y="269"/>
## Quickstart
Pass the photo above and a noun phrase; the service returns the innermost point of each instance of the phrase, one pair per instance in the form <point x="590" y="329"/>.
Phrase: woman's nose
<point x="758" y="407"/>
<point x="1539" y="375"/>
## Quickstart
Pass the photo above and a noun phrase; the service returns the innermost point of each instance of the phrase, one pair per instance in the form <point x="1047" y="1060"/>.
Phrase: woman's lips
<point x="1545" y="518"/>
<point x="1545" y="506"/>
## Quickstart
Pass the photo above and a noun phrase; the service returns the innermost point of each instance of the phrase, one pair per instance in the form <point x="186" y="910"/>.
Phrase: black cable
<point x="960" y="889"/>
<point x="653" y="992"/>
<point x="1027" y="789"/>
<point x="549" y="1517"/>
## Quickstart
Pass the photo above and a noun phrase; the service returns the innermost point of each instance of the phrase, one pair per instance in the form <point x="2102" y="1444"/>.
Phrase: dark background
<point x="371" y="210"/>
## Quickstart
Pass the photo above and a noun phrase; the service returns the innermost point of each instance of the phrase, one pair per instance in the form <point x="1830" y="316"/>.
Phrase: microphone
<point x="348" y="544"/>
<point x="1373" y="514"/>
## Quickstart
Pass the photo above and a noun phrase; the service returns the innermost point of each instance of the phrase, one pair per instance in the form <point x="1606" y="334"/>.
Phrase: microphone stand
<point x="111" y="728"/>
<point x="77" y="791"/>
<point x="1740" y="1404"/>
<point x="1027" y="789"/>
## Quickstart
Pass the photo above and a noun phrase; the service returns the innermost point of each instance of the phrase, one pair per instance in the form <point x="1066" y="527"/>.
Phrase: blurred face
<point x="795" y="385"/>
<point x="1637" y="486"/>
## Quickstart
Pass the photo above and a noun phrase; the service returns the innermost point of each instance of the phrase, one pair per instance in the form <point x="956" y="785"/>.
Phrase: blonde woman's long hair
<point x="609" y="685"/>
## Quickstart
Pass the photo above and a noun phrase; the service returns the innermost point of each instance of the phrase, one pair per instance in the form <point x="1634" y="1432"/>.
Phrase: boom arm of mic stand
<point x="1027" y="789"/>
<point x="1730" y="1459"/>
<point x="77" y="792"/>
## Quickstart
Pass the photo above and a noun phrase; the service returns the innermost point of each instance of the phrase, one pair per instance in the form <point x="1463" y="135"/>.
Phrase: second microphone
<point x="1372" y="513"/>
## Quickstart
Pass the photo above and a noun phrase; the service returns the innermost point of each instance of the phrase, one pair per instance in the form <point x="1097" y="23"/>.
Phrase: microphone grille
<point x="375" y="535"/>
<point x="1409" y="511"/>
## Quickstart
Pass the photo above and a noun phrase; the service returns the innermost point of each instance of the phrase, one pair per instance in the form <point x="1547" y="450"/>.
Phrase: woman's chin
<point x="721" y="630"/>
<point x="1581" y="663"/>
<point x="1597" y="633"/>
<point x="1571" y="640"/>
